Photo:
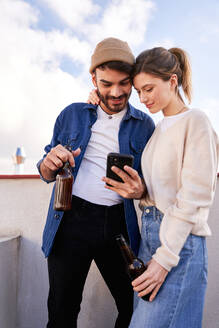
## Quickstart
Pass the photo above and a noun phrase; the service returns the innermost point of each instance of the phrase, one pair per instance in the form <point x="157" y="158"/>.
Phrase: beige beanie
<point x="111" y="49"/>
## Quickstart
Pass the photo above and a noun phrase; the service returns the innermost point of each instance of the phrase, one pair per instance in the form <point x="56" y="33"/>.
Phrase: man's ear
<point x="94" y="80"/>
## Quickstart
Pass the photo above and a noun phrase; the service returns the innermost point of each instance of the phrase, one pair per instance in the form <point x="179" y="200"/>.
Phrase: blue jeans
<point x="180" y="300"/>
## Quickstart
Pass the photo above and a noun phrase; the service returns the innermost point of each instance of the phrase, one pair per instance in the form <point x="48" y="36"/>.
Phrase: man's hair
<point x="117" y="66"/>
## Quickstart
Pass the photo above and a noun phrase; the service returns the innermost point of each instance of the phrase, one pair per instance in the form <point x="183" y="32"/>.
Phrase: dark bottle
<point x="63" y="189"/>
<point x="135" y="266"/>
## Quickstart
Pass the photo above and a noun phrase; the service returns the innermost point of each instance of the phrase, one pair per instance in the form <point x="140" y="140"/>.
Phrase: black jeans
<point x="87" y="232"/>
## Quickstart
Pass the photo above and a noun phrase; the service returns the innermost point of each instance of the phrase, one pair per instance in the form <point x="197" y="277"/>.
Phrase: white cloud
<point x="124" y="19"/>
<point x="20" y="13"/>
<point x="73" y="13"/>
<point x="34" y="88"/>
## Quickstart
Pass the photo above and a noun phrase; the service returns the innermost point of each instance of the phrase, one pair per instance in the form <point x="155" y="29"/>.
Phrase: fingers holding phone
<point x="118" y="161"/>
<point x="122" y="178"/>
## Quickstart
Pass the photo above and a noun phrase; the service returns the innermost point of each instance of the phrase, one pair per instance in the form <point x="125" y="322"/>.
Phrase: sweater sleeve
<point x="196" y="192"/>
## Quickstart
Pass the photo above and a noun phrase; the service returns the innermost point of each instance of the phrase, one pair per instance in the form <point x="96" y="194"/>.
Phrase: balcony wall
<point x="8" y="280"/>
<point x="24" y="203"/>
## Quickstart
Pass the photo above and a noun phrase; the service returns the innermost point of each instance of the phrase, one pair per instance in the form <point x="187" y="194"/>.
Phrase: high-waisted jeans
<point x="87" y="232"/>
<point x="180" y="300"/>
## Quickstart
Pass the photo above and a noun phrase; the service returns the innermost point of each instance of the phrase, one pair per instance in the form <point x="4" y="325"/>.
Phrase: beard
<point x="115" y="108"/>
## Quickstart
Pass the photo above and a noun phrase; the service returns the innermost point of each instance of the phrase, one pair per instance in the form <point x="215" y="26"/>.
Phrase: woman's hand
<point x="93" y="98"/>
<point x="133" y="186"/>
<point x="151" y="280"/>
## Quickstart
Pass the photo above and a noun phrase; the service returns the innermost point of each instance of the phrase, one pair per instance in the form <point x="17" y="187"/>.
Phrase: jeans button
<point x="147" y="210"/>
<point x="56" y="216"/>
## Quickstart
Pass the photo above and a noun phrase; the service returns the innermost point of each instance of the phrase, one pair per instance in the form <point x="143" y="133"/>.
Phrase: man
<point x="71" y="240"/>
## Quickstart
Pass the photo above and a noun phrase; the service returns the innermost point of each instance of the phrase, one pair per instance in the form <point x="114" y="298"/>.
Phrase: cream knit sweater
<point x="179" y="166"/>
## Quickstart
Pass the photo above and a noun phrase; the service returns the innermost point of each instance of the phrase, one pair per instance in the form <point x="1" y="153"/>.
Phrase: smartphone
<point x="119" y="160"/>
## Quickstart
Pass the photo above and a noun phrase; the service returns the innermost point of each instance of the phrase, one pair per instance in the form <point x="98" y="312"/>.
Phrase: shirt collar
<point x="103" y="114"/>
<point x="131" y="111"/>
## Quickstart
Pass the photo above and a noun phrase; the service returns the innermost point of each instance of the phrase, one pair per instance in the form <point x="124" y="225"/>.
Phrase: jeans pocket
<point x="188" y="247"/>
<point x="152" y="236"/>
<point x="151" y="220"/>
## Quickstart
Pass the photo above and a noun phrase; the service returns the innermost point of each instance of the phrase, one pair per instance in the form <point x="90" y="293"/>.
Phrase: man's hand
<point x="133" y="186"/>
<point x="55" y="159"/>
<point x="151" y="280"/>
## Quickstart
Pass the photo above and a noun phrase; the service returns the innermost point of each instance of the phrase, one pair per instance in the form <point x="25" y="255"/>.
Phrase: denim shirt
<point x="74" y="125"/>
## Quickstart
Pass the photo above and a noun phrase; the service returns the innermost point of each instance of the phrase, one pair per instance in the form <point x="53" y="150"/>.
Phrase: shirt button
<point x="147" y="210"/>
<point x="56" y="216"/>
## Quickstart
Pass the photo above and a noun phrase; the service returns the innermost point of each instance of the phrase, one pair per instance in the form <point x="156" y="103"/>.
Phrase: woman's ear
<point x="174" y="81"/>
<point x="94" y="80"/>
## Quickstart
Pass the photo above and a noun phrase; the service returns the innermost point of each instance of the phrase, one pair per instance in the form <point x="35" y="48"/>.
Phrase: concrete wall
<point x="24" y="204"/>
<point x="24" y="207"/>
<point x="8" y="280"/>
<point x="211" y="314"/>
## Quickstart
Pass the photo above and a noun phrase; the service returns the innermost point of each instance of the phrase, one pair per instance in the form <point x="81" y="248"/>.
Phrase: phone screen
<point x="119" y="160"/>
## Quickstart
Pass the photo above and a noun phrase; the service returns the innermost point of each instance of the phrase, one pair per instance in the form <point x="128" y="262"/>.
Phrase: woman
<point x="179" y="166"/>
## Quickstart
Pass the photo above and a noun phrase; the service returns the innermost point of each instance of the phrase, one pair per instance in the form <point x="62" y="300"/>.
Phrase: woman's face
<point x="155" y="93"/>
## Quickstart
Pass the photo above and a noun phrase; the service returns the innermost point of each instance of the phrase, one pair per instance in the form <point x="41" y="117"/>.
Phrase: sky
<point x="45" y="52"/>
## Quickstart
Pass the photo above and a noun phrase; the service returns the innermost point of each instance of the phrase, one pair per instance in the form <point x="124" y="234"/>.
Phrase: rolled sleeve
<point x="41" y="177"/>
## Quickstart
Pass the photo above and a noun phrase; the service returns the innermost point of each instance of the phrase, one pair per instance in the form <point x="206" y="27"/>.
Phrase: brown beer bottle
<point x="63" y="188"/>
<point x="135" y="266"/>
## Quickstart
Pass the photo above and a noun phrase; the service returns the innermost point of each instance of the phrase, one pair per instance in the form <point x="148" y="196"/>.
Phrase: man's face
<point x="114" y="89"/>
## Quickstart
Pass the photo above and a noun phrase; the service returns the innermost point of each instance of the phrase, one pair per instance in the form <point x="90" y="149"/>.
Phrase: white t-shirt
<point x="104" y="139"/>
<point x="168" y="121"/>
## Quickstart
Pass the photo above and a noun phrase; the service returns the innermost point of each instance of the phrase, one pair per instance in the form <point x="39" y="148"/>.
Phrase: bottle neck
<point x="67" y="165"/>
<point x="66" y="169"/>
<point x="127" y="252"/>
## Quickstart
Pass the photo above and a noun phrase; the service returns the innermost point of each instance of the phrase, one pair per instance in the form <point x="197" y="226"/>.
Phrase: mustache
<point x="117" y="98"/>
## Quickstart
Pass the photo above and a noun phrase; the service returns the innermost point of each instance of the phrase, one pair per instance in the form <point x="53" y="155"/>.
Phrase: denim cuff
<point x="41" y="177"/>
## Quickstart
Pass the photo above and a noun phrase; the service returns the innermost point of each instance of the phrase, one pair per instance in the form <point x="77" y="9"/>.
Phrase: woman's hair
<point x="164" y="63"/>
